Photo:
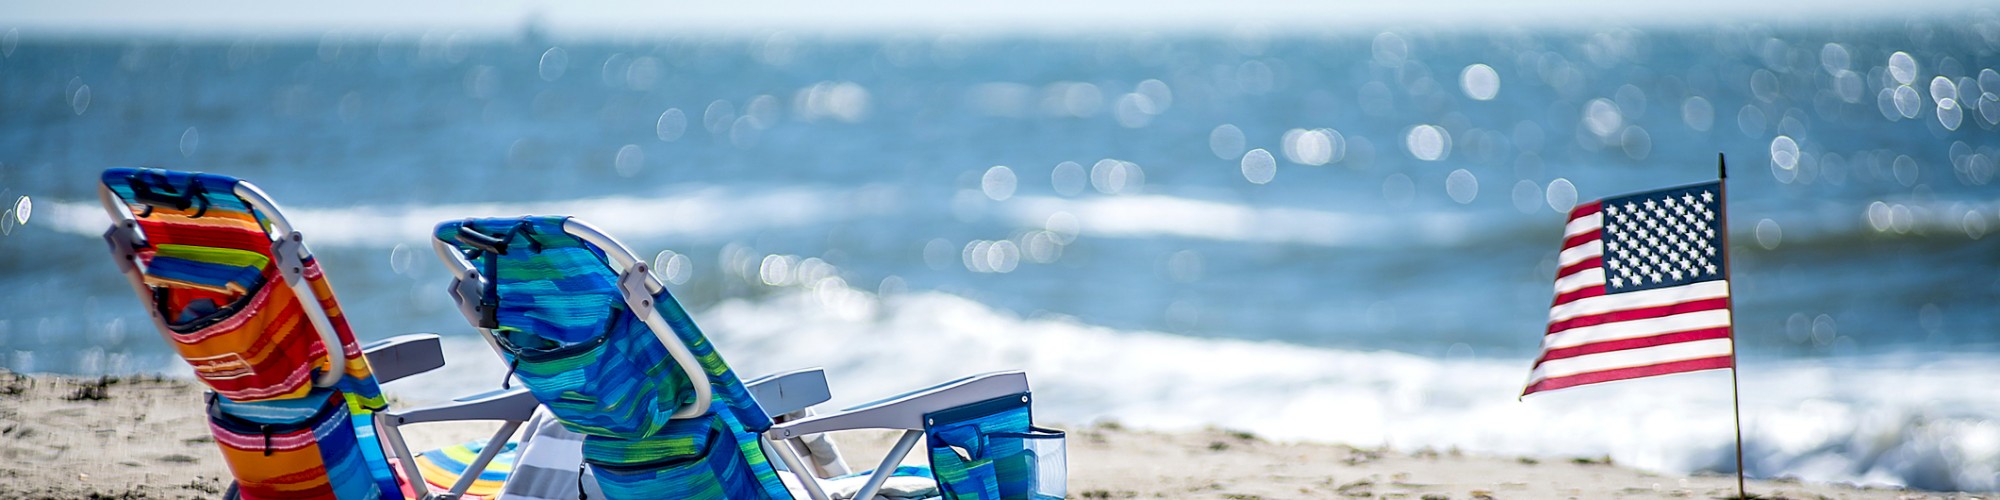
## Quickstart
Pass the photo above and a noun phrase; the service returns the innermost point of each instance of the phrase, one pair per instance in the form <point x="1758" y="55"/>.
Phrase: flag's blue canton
<point x="1663" y="238"/>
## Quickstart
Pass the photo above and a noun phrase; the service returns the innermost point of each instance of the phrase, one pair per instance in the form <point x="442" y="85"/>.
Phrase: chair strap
<point x="488" y="248"/>
<point x="163" y="194"/>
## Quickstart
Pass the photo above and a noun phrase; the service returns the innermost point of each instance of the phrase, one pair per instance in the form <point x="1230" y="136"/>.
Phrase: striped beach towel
<point x="443" y="467"/>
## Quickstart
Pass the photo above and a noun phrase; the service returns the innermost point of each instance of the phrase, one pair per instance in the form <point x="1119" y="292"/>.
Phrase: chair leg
<point x="392" y="433"/>
<point x="889" y="463"/>
<point x="478" y="465"/>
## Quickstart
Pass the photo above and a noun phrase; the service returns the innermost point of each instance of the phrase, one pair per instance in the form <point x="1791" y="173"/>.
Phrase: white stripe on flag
<point x="1641" y="299"/>
<point x="1577" y="226"/>
<point x="1583" y="278"/>
<point x="1577" y="253"/>
<point x="1629" y="358"/>
<point x="1713" y="318"/>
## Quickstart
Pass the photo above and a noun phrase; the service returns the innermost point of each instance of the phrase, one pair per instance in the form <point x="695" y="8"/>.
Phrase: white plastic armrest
<point x="791" y="391"/>
<point x="515" y="404"/>
<point x="404" y="355"/>
<point x="906" y="411"/>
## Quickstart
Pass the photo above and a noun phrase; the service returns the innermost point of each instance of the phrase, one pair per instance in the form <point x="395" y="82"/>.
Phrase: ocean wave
<point x="690" y="213"/>
<point x="1921" y="421"/>
<point x="1827" y="223"/>
<point x="1160" y="215"/>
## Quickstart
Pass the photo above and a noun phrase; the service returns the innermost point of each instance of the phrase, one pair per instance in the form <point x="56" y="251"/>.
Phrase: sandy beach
<point x="144" y="438"/>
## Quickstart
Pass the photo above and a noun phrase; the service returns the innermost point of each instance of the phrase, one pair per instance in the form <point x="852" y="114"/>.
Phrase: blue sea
<point x="1345" y="236"/>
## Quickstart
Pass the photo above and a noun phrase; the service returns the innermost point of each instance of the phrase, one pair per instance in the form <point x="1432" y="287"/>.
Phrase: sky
<point x="863" y="17"/>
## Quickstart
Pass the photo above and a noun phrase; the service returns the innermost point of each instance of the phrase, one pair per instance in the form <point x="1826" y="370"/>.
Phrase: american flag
<point x="1641" y="291"/>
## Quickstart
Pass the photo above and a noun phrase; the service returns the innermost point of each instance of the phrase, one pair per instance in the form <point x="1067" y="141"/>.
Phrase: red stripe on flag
<point x="1585" y="210"/>
<point x="1635" y="343"/>
<point x="1580" y="266"/>
<point x="1580" y="294"/>
<point x="1640" y="313"/>
<point x="1580" y="239"/>
<point x="1617" y="374"/>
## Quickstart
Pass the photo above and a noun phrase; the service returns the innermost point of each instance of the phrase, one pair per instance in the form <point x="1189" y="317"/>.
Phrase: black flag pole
<point x="1735" y="393"/>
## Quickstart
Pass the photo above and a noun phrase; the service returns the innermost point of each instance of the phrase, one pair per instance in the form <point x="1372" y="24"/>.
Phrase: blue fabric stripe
<point x="204" y="273"/>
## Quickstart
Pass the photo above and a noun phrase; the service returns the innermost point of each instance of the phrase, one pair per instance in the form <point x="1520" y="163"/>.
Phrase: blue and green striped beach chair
<point x="587" y="328"/>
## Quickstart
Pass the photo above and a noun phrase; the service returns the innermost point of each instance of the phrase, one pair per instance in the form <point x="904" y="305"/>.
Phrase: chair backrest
<point x="602" y="344"/>
<point x="232" y="288"/>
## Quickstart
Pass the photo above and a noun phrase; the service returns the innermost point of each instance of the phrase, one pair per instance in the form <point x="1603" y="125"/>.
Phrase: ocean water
<point x="1344" y="236"/>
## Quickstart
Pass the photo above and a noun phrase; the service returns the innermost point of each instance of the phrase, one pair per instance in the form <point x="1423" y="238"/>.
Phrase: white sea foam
<point x="694" y="213"/>
<point x="1926" y="422"/>
<point x="1159" y="215"/>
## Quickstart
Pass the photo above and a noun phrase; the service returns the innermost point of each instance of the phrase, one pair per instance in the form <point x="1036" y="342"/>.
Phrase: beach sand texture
<point x="145" y="438"/>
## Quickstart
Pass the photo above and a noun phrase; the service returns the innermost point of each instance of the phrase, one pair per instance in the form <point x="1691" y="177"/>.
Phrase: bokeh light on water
<point x="1314" y="147"/>
<point x="16" y="215"/>
<point x="998" y="183"/>
<point x="1428" y="142"/>
<point x="1226" y="141"/>
<point x="1462" y="186"/>
<point x="672" y="123"/>
<point x="1480" y="82"/>
<point x="554" y="63"/>
<point x="673" y="267"/>
<point x="1561" y="195"/>
<point x="1068" y="178"/>
<point x="1259" y="167"/>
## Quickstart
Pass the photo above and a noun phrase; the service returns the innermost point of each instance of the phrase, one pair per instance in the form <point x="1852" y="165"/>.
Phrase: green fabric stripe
<point x="225" y="256"/>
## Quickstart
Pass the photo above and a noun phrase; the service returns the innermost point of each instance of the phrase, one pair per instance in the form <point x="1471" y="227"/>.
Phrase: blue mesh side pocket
<point x="1040" y="457"/>
<point x="991" y="450"/>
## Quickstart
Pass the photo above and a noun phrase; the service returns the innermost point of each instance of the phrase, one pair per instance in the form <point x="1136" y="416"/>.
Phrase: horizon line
<point x="888" y="18"/>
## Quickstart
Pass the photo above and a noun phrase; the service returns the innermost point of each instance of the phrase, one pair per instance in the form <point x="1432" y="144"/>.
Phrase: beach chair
<point x="295" y="401"/>
<point x="600" y="341"/>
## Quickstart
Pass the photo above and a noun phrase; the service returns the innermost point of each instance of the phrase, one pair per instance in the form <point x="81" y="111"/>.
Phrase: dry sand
<point x="133" y="438"/>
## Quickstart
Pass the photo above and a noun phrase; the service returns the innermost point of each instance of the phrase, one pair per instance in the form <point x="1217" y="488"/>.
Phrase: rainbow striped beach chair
<point x="612" y="355"/>
<point x="295" y="401"/>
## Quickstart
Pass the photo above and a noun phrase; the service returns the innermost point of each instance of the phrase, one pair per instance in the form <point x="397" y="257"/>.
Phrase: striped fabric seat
<point x="570" y="339"/>
<point x="207" y="268"/>
<point x="443" y="467"/>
